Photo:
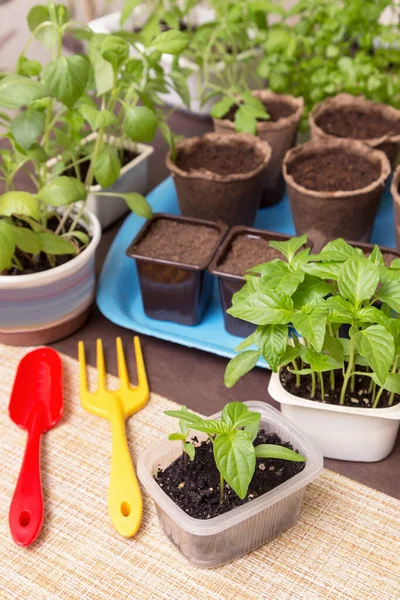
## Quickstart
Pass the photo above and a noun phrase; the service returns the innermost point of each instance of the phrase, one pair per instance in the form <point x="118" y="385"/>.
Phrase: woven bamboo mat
<point x="346" y="544"/>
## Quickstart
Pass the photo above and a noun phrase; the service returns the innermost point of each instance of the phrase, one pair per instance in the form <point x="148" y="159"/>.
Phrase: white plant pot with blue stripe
<point x="40" y="308"/>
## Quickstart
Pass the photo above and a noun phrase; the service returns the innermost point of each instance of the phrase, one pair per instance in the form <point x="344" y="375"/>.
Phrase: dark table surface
<point x="193" y="377"/>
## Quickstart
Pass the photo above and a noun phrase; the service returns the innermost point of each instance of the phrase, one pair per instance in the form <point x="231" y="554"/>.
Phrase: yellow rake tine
<point x="122" y="370"/>
<point x="141" y="371"/>
<point x="82" y="369"/>
<point x="101" y="369"/>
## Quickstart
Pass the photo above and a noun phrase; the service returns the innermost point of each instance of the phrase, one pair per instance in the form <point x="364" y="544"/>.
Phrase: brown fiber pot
<point x="389" y="143"/>
<point x="347" y="214"/>
<point x="396" y="201"/>
<point x="280" y="135"/>
<point x="234" y="198"/>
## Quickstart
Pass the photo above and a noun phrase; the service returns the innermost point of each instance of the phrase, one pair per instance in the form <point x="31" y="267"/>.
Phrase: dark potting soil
<point x="334" y="170"/>
<point x="178" y="241"/>
<point x="40" y="262"/>
<point x="277" y="109"/>
<point x="221" y="159"/>
<point x="357" y="124"/>
<point x="360" y="397"/>
<point x="195" y="488"/>
<point x="127" y="157"/>
<point x="246" y="252"/>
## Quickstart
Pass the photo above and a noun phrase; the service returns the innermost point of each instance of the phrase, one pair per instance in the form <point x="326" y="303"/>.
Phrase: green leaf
<point x="235" y="458"/>
<point x="177" y="437"/>
<point x="128" y="8"/>
<point x="323" y="270"/>
<point x="54" y="244"/>
<point x="337" y="250"/>
<point x="376" y="344"/>
<point x="140" y="124"/>
<point x="334" y="346"/>
<point x="66" y="78"/>
<point x="310" y="291"/>
<point x="222" y="107"/>
<point x="371" y="314"/>
<point x="181" y="86"/>
<point x="277" y="275"/>
<point x="245" y="120"/>
<point x="390" y="294"/>
<point x="19" y="203"/>
<point x="103" y="71"/>
<point x="312" y="326"/>
<point x="62" y="191"/>
<point x="272" y="341"/>
<point x="291" y="353"/>
<point x="138" y="204"/>
<point x="107" y="166"/>
<point x="39" y="15"/>
<point x="27" y="240"/>
<point x="340" y="310"/>
<point x="26" y="127"/>
<point x="79" y="235"/>
<point x="376" y="257"/>
<point x="240" y="365"/>
<point x="184" y="426"/>
<point x="115" y="50"/>
<point x="274" y="308"/>
<point x="392" y="382"/>
<point x="96" y="118"/>
<point x="17" y="91"/>
<point x="28" y="68"/>
<point x="320" y="362"/>
<point x="280" y="452"/>
<point x="358" y="279"/>
<point x="290" y="247"/>
<point x="236" y="415"/>
<point x="190" y="450"/>
<point x="7" y="245"/>
<point x="170" y="42"/>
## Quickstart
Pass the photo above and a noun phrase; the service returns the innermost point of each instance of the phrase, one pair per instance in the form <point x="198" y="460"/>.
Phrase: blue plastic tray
<point x="119" y="297"/>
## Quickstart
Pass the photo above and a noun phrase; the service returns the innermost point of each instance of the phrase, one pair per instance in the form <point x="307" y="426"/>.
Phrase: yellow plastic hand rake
<point x="124" y="496"/>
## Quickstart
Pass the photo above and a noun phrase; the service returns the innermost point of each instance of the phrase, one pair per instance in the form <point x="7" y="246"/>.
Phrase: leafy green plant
<point x="232" y="437"/>
<point x="188" y="448"/>
<point x="316" y="295"/>
<point x="248" y="110"/>
<point x="319" y="48"/>
<point x="107" y="93"/>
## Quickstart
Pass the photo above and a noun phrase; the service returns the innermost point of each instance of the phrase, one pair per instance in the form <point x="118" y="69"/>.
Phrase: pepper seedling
<point x="232" y="437"/>
<point x="188" y="448"/>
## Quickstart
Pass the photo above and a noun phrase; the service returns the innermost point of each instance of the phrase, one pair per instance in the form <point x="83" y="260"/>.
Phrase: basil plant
<point x="111" y="92"/>
<point x="299" y="304"/>
<point x="232" y="437"/>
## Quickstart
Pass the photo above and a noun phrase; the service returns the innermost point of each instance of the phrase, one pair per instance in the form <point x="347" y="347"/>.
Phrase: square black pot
<point x="229" y="283"/>
<point x="175" y="291"/>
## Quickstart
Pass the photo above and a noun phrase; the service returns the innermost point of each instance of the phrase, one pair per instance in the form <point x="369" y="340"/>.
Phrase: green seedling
<point x="188" y="447"/>
<point x="232" y="437"/>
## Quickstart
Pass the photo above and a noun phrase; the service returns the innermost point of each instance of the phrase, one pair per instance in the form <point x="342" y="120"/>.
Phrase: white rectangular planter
<point x="133" y="178"/>
<point x="213" y="542"/>
<point x="340" y="432"/>
<point x="199" y="15"/>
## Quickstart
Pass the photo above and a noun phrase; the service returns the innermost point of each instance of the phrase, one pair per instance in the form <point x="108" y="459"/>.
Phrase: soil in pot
<point x="223" y="159"/>
<point x="126" y="157"/>
<point x="178" y="242"/>
<point x="246" y="252"/>
<point x="334" y="171"/>
<point x="351" y="122"/>
<point x="194" y="485"/>
<point x="40" y="262"/>
<point x="361" y="397"/>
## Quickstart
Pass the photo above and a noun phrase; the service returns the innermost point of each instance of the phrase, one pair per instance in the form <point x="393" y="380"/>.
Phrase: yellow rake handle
<point x="124" y="496"/>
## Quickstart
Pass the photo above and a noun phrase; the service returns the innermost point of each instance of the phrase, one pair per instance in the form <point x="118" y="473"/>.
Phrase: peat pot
<point x="355" y="117"/>
<point x="175" y="290"/>
<point x="220" y="177"/>
<point x="341" y="209"/>
<point x="216" y="541"/>
<point x="280" y="132"/>
<point x="340" y="432"/>
<point x="40" y="308"/>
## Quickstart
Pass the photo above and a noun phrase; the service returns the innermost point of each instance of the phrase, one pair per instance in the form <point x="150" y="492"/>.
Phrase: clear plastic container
<point x="214" y="542"/>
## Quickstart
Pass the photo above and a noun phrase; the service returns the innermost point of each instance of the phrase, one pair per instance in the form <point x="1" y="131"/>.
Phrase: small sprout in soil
<point x="316" y="295"/>
<point x="188" y="448"/>
<point x="232" y="437"/>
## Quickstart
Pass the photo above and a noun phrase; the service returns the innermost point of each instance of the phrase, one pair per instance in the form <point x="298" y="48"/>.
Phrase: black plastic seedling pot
<point x="175" y="291"/>
<point x="229" y="283"/>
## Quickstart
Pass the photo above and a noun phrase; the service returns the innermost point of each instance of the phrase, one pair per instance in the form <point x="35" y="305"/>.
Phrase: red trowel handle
<point x="26" y="510"/>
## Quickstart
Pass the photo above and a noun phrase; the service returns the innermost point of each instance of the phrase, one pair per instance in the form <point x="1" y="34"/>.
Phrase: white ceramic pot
<point x="214" y="542"/>
<point x="198" y="16"/>
<point x="133" y="178"/>
<point x="43" y="307"/>
<point x="340" y="432"/>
